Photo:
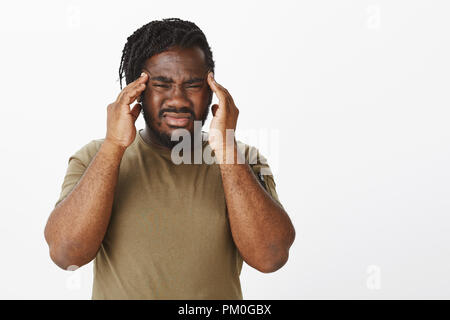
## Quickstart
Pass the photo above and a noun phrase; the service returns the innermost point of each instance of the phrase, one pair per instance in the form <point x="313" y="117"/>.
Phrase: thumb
<point x="135" y="110"/>
<point x="214" y="109"/>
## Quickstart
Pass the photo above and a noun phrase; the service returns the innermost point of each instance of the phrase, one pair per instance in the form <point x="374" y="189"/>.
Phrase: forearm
<point x="261" y="229"/>
<point x="76" y="227"/>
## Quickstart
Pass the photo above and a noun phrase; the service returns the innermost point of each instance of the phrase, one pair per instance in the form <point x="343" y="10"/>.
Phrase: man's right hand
<point x="78" y="224"/>
<point x="121" y="130"/>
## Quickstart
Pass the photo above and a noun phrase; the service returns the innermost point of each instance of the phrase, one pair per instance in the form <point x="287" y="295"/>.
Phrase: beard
<point x="163" y="138"/>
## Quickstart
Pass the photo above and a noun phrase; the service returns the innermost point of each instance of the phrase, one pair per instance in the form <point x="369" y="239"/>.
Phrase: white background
<point x="357" y="92"/>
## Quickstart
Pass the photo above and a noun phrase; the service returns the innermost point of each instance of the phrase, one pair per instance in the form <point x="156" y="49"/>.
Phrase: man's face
<point x="177" y="92"/>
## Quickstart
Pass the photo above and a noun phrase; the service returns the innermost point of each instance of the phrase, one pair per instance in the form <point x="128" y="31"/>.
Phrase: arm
<point x="77" y="225"/>
<point x="261" y="229"/>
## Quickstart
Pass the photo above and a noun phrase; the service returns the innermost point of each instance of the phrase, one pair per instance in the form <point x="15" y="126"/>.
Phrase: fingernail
<point x="142" y="74"/>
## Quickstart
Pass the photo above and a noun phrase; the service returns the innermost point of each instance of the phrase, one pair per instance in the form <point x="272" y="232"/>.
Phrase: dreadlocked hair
<point x="156" y="37"/>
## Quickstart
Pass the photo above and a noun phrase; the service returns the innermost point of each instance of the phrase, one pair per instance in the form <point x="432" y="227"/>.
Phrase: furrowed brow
<point x="194" y="80"/>
<point x="161" y="79"/>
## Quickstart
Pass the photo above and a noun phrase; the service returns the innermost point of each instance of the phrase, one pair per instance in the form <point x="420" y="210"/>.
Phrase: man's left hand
<point x="225" y="115"/>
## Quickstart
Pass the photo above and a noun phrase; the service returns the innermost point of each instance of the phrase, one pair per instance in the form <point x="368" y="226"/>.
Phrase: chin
<point x="171" y="129"/>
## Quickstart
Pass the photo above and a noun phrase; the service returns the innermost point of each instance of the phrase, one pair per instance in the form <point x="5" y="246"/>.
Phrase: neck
<point x="151" y="138"/>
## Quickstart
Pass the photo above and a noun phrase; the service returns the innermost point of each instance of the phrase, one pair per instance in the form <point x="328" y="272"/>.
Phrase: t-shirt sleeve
<point x="77" y="165"/>
<point x="261" y="169"/>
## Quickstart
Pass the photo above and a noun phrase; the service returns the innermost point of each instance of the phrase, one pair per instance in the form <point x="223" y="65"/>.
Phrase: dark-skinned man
<point x="156" y="229"/>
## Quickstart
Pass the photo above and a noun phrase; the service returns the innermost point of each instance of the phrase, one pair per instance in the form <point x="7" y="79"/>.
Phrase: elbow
<point x="66" y="261"/>
<point x="59" y="260"/>
<point x="277" y="258"/>
<point x="66" y="254"/>
<point x="274" y="263"/>
<point x="65" y="257"/>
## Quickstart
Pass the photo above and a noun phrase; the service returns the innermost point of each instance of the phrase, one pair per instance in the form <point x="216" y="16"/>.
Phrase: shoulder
<point x="256" y="160"/>
<point x="87" y="151"/>
<point x="260" y="168"/>
<point x="252" y="156"/>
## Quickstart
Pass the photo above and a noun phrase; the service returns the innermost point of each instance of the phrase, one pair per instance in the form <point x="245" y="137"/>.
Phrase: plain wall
<point x="353" y="95"/>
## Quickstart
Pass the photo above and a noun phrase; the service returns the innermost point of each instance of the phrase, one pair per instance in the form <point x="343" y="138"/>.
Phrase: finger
<point x="136" y="83"/>
<point x="136" y="110"/>
<point x="142" y="79"/>
<point x="133" y="85"/>
<point x="132" y="94"/>
<point x="220" y="91"/>
<point x="137" y="92"/>
<point x="225" y="98"/>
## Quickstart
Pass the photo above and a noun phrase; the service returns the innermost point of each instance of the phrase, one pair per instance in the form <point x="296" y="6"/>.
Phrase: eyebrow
<point x="169" y="80"/>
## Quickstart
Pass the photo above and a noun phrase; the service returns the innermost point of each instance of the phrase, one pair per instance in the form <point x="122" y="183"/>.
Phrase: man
<point x="160" y="230"/>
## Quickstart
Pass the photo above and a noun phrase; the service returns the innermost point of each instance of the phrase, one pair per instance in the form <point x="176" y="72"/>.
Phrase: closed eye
<point x="167" y="86"/>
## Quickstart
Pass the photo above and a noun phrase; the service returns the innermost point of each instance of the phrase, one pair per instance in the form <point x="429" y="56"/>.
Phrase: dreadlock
<point x="156" y="37"/>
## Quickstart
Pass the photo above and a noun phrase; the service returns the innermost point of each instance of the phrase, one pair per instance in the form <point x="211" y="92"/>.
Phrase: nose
<point x="177" y="98"/>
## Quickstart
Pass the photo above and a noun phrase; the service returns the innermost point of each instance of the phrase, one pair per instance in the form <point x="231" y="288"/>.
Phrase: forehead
<point x="177" y="61"/>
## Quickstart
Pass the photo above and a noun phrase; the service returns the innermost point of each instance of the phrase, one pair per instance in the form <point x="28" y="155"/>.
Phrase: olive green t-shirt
<point x="169" y="236"/>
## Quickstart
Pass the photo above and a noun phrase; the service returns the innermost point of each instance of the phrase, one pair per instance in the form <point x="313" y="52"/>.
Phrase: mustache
<point x="181" y="110"/>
